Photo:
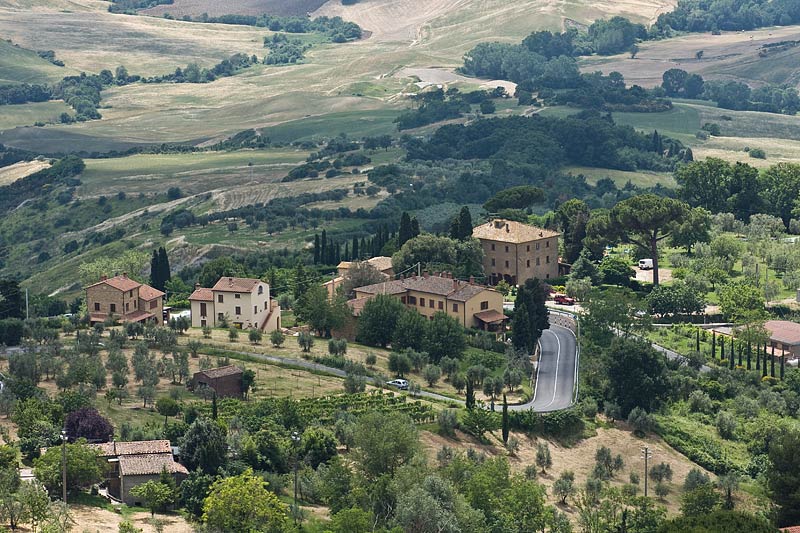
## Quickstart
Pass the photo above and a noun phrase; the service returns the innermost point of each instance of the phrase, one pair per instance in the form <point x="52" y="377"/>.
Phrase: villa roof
<point x="381" y="263"/>
<point x="150" y="464"/>
<point x="231" y="284"/>
<point x="222" y="371"/>
<point x="147" y="293"/>
<point x="503" y="230"/>
<point x="783" y="331"/>
<point x="121" y="283"/>
<point x="203" y="295"/>
<point x="450" y="288"/>
<point x="137" y="447"/>
<point x="490" y="316"/>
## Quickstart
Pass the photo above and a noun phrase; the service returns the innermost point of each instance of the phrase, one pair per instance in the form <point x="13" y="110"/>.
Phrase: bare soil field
<point x="730" y="56"/>
<point x="236" y="7"/>
<point x="12" y="173"/>
<point x="97" y="520"/>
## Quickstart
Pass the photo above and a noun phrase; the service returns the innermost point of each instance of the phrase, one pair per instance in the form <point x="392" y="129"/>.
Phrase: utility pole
<point x="647" y="454"/>
<point x="64" y="466"/>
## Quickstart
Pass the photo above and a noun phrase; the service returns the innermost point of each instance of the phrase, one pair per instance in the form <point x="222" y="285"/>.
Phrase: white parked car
<point x="645" y="264"/>
<point x="399" y="383"/>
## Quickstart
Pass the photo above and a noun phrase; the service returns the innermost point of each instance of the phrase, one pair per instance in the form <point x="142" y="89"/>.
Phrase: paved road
<point x="557" y="372"/>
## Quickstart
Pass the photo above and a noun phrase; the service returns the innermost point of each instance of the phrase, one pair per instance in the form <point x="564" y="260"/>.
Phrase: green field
<point x="20" y="65"/>
<point x="641" y="178"/>
<point x="28" y="114"/>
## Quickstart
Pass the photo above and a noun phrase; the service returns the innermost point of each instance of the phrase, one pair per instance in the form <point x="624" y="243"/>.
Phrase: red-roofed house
<point x="473" y="305"/>
<point x="242" y="302"/>
<point x="125" y="299"/>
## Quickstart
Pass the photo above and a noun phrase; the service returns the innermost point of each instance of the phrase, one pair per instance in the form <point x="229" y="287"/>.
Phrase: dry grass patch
<point x="12" y="173"/>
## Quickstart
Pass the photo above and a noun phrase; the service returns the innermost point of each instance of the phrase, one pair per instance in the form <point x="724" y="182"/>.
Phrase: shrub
<point x="758" y="153"/>
<point x="371" y="359"/>
<point x="726" y="425"/>
<point x="233" y="334"/>
<point x="448" y="422"/>
<point x="305" y="340"/>
<point x="641" y="421"/>
<point x="354" y="383"/>
<point x="255" y="336"/>
<point x="695" y="478"/>
<point x="277" y="338"/>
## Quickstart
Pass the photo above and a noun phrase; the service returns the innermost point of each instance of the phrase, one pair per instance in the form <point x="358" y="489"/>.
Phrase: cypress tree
<point x="697" y="340"/>
<point x="414" y="227"/>
<point x="470" y="401"/>
<point x="316" y="248"/>
<point x="323" y="253"/>
<point x="783" y="369"/>
<point x="214" y="406"/>
<point x="732" y="361"/>
<point x="505" y="420"/>
<point x="163" y="266"/>
<point x="758" y="356"/>
<point x="713" y="344"/>
<point x="722" y="348"/>
<point x="741" y="349"/>
<point x="764" y="366"/>
<point x="154" y="271"/>
<point x="749" y="354"/>
<point x="347" y="251"/>
<point x="772" y="363"/>
<point x="406" y="232"/>
<point x="364" y="248"/>
<point x="356" y="255"/>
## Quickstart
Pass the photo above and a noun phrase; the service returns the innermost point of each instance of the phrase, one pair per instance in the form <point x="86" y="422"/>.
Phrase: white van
<point x="645" y="264"/>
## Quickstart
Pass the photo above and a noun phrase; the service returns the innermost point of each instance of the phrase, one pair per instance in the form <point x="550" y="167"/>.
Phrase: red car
<point x="563" y="299"/>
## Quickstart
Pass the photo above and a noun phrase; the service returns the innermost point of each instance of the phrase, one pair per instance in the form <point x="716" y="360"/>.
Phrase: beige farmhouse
<point x="382" y="264"/>
<point x="473" y="305"/>
<point x="514" y="251"/>
<point x="125" y="299"/>
<point x="241" y="302"/>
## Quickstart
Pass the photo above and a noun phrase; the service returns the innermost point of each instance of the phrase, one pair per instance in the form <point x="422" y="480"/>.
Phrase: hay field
<point x="20" y="65"/>
<point x="730" y="56"/>
<point x="28" y="114"/>
<point x="12" y="173"/>
<point x="354" y="78"/>
<point x="236" y="7"/>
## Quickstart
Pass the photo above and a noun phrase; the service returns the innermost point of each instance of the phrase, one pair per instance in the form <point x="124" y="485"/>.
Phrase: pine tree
<point x="505" y="420"/>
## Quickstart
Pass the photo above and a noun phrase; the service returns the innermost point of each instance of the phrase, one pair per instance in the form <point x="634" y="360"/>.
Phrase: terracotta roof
<point x="136" y="316"/>
<point x="381" y="263"/>
<point x="121" y="283"/>
<point x="783" y="331"/>
<point x="203" y="295"/>
<point x="149" y="464"/>
<point x="136" y="447"/>
<point x="146" y="292"/>
<point x="490" y="316"/>
<point x="229" y="284"/>
<point x="221" y="371"/>
<point x="356" y="305"/>
<point x="503" y="230"/>
<point x="791" y="529"/>
<point x="452" y="289"/>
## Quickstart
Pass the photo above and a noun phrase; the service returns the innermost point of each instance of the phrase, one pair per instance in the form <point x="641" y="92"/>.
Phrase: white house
<point x="243" y="302"/>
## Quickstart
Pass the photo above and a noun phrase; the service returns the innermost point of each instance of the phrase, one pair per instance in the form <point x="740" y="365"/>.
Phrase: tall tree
<point x="12" y="302"/>
<point x="783" y="475"/>
<point x="165" y="273"/>
<point x="406" y="231"/>
<point x="572" y="217"/>
<point x="637" y="375"/>
<point x="646" y="220"/>
<point x="461" y="226"/>
<point x="155" y="272"/>
<point x="530" y="315"/>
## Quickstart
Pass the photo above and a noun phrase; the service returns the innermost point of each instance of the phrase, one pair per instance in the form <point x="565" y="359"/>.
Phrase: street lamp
<point x="295" y="444"/>
<point x="64" y="466"/>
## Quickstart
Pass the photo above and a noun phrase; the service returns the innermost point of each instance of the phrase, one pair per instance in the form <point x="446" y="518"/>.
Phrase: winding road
<point x="557" y="372"/>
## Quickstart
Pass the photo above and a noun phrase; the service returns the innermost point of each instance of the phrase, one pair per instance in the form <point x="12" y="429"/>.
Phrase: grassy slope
<point x="20" y="65"/>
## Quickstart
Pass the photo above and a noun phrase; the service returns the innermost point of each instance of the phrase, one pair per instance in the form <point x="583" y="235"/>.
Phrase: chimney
<point x="508" y="229"/>
<point x="425" y="274"/>
<point x="196" y="286"/>
<point x="103" y="277"/>
<point x="472" y="280"/>
<point x="124" y="274"/>
<point x="230" y="282"/>
<point x="455" y="284"/>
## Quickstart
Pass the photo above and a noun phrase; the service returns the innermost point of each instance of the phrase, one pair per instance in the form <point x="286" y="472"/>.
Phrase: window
<point x="403" y="299"/>
<point x="547" y="244"/>
<point x="430" y="303"/>
<point x="537" y="245"/>
<point x="154" y="304"/>
<point x="528" y="248"/>
<point x="203" y="309"/>
<point x="484" y="306"/>
<point x="130" y="293"/>
<point x="260" y="289"/>
<point x="547" y="276"/>
<point x="506" y="249"/>
<point x="97" y="306"/>
<point x="547" y="259"/>
<point x="203" y="323"/>
<point x="238" y="310"/>
<point x="127" y="306"/>
<point x="255" y="309"/>
<point x="113" y="308"/>
<point x="441" y="305"/>
<point x="528" y="263"/>
<point x="422" y="302"/>
<point x="493" y="261"/>
<point x="220" y="316"/>
<point x="455" y="308"/>
<point x="538" y="261"/>
<point x="493" y="247"/>
<point x="506" y="264"/>
<point x="237" y="296"/>
<point x="220" y="299"/>
<point x="412" y="300"/>
<point x="136" y="304"/>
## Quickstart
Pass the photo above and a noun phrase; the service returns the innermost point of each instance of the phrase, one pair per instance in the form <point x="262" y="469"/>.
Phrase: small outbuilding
<point x="226" y="381"/>
<point x="784" y="337"/>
